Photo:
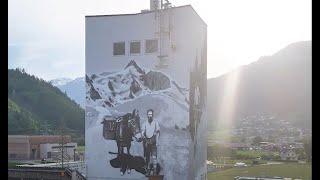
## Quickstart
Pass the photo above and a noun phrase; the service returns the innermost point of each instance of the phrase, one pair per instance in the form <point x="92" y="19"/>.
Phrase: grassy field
<point x="247" y="161"/>
<point x="290" y="170"/>
<point x="219" y="135"/>
<point x="13" y="164"/>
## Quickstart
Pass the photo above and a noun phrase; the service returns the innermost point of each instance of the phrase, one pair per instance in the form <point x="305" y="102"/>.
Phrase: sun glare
<point x="228" y="101"/>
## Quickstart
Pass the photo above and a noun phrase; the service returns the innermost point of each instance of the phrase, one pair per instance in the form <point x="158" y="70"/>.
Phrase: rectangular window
<point x="135" y="47"/>
<point x="151" y="46"/>
<point x="119" y="48"/>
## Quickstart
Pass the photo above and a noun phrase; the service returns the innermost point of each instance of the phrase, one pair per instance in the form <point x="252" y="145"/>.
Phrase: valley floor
<point x="288" y="170"/>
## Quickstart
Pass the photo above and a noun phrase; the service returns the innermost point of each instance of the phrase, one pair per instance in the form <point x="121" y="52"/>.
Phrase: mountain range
<point x="278" y="85"/>
<point x="74" y="88"/>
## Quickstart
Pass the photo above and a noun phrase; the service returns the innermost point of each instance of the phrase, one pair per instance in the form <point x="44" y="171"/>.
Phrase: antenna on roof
<point x="166" y="5"/>
<point x="154" y="5"/>
<point x="164" y="31"/>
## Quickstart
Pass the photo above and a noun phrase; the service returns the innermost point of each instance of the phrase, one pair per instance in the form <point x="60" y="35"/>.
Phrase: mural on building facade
<point x="144" y="114"/>
<point x="142" y="122"/>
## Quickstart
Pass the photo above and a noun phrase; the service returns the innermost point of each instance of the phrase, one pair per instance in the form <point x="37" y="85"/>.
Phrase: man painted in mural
<point x="151" y="133"/>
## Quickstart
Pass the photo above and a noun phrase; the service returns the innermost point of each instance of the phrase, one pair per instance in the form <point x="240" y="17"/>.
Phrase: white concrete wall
<point x="101" y="31"/>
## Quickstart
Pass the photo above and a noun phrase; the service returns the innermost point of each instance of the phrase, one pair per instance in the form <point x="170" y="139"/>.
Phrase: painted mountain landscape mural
<point x="134" y="84"/>
<point x="113" y="94"/>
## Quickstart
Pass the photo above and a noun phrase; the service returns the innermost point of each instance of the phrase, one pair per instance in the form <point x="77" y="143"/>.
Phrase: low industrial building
<point x="44" y="173"/>
<point x="23" y="147"/>
<point x="53" y="151"/>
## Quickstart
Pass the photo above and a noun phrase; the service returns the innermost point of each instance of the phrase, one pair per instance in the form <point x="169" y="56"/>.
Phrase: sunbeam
<point x="228" y="101"/>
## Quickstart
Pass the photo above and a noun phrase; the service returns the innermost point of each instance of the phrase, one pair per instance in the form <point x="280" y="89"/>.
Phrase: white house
<point x="155" y="59"/>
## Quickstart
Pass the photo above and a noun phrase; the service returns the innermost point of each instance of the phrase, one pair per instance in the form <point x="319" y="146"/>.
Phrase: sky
<point x="46" y="38"/>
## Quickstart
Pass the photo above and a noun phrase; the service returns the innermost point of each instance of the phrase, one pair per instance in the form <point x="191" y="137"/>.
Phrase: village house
<point x="288" y="155"/>
<point x="268" y="146"/>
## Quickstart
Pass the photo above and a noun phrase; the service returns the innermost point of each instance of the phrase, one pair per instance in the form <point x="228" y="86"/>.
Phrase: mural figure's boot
<point x="148" y="171"/>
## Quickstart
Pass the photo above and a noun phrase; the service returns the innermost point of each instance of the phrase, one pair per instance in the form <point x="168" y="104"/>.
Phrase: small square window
<point x="135" y="47"/>
<point x="151" y="46"/>
<point x="119" y="48"/>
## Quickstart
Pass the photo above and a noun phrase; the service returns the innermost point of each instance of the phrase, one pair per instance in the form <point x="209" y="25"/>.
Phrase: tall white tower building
<point x="156" y="59"/>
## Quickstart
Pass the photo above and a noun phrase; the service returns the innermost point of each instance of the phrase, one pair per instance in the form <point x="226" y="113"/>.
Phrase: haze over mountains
<point x="278" y="85"/>
<point x="75" y="89"/>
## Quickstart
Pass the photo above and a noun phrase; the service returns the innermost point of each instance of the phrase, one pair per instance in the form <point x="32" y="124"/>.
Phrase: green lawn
<point x="221" y="135"/>
<point x="13" y="164"/>
<point x="290" y="170"/>
<point x="247" y="161"/>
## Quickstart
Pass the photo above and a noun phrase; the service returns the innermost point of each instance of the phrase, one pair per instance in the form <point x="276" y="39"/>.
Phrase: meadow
<point x="288" y="170"/>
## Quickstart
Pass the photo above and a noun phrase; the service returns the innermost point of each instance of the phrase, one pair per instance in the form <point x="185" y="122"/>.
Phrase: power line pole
<point x="62" y="151"/>
<point x="62" y="142"/>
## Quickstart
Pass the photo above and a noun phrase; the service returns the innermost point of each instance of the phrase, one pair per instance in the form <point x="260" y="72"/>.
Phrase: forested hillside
<point x="37" y="107"/>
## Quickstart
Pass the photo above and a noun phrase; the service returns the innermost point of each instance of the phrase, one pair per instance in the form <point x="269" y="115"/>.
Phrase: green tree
<point x="308" y="149"/>
<point x="256" y="140"/>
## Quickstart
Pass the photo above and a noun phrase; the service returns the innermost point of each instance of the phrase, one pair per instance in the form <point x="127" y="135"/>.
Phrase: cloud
<point x="47" y="60"/>
<point x="47" y="37"/>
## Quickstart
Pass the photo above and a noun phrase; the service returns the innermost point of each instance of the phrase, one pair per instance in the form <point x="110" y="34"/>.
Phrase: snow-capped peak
<point x="135" y="65"/>
<point x="60" y="81"/>
<point x="130" y="83"/>
<point x="79" y="79"/>
<point x="75" y="89"/>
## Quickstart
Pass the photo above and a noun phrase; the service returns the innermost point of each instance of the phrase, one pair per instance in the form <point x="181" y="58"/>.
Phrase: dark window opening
<point x="119" y="48"/>
<point x="135" y="47"/>
<point x="151" y="46"/>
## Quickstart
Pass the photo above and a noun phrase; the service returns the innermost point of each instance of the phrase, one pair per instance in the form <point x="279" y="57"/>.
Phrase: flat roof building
<point x="24" y="147"/>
